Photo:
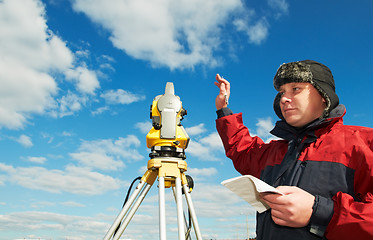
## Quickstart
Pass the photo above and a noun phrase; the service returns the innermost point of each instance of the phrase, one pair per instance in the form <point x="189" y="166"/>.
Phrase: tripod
<point x="170" y="173"/>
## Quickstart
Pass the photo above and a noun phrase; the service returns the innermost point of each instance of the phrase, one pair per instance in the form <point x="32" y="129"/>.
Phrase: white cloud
<point x="69" y="104"/>
<point x="144" y="126"/>
<point x="213" y="140"/>
<point x="142" y="169"/>
<point x="23" y="91"/>
<point x="256" y="32"/>
<point x="264" y="126"/>
<point x="280" y="6"/>
<point x="42" y="204"/>
<point x="178" y="34"/>
<point x="3" y="178"/>
<point x="199" y="174"/>
<point x="108" y="154"/>
<point x="40" y="160"/>
<point x="99" y="160"/>
<point x="67" y="134"/>
<point x="203" y="171"/>
<point x="86" y="80"/>
<point x="72" y="204"/>
<point x="196" y="130"/>
<point x="121" y="96"/>
<point x="25" y="141"/>
<point x="206" y="148"/>
<point x="26" y="38"/>
<point x="72" y="179"/>
<point x="71" y="227"/>
<point x="100" y="110"/>
<point x="30" y="52"/>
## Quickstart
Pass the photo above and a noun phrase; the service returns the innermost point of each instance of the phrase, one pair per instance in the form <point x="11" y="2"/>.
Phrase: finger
<point x="264" y="194"/>
<point x="221" y="79"/>
<point x="279" y="221"/>
<point x="218" y="77"/>
<point x="223" y="89"/>
<point x="273" y="198"/>
<point x="227" y="85"/>
<point x="279" y="213"/>
<point x="286" y="189"/>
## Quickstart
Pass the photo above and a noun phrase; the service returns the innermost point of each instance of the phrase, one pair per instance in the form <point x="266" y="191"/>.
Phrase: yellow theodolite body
<point x="166" y="114"/>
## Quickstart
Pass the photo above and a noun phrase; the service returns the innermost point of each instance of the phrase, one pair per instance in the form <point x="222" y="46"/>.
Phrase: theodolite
<point x="167" y="140"/>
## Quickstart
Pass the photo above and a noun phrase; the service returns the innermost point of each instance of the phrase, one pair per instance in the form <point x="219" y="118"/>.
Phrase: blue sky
<point x="77" y="79"/>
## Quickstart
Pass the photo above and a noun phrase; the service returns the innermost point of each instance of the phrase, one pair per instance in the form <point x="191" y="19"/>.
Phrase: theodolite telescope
<point x="167" y="138"/>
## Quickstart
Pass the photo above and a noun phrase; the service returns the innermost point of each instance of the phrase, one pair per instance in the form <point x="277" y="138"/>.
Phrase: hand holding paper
<point x="293" y="209"/>
<point x="248" y="187"/>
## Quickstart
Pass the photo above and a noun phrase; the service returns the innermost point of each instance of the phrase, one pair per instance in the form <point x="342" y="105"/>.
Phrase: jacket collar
<point x="285" y="131"/>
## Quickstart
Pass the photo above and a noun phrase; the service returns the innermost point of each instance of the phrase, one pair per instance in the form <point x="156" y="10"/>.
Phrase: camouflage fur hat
<point x="309" y="71"/>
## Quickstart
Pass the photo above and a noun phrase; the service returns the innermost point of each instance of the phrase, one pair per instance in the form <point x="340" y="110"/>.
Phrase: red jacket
<point x="336" y="167"/>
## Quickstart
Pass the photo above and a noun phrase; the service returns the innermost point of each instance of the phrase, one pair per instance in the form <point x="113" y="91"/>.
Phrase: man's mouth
<point x="287" y="110"/>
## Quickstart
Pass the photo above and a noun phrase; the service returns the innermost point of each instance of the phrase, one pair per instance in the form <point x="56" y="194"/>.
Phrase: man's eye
<point x="296" y="89"/>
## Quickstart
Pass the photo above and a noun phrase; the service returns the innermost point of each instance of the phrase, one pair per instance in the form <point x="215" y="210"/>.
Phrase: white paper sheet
<point x="248" y="187"/>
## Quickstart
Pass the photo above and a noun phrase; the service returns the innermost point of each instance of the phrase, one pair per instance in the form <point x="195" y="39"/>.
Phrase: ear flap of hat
<point x="276" y="106"/>
<point x="323" y="81"/>
<point x="328" y="93"/>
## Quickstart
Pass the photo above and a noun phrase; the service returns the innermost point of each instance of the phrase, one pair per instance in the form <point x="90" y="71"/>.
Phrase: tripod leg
<point x="180" y="213"/>
<point x="187" y="235"/>
<point x="132" y="212"/>
<point x="162" y="209"/>
<point x="192" y="212"/>
<point x="124" y="210"/>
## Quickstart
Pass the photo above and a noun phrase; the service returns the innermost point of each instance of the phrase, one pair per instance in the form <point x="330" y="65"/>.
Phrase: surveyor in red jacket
<point x="324" y="168"/>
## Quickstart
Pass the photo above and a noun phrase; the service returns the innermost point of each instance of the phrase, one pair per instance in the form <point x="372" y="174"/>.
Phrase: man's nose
<point x="285" y="98"/>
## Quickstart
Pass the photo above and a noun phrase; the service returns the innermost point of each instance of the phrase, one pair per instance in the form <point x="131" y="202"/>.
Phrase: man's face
<point x="300" y="103"/>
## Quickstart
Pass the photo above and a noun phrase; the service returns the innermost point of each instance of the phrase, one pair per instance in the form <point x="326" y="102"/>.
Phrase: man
<point x="324" y="168"/>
